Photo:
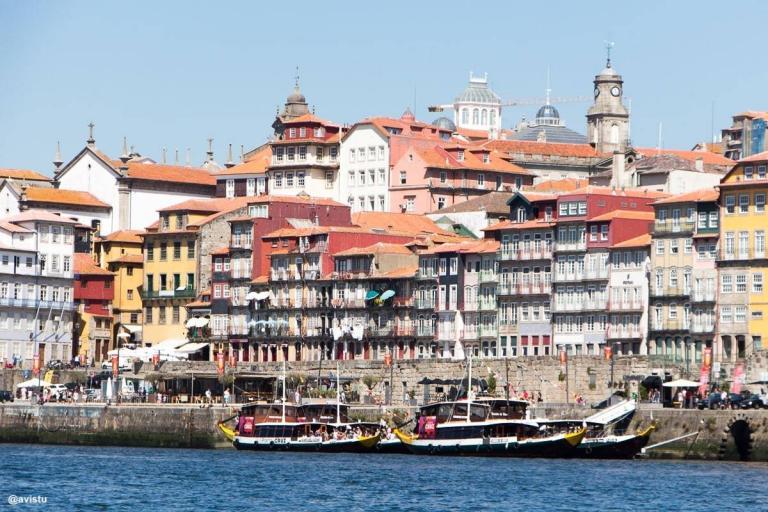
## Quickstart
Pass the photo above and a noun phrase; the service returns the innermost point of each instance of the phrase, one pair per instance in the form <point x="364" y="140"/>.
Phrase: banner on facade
<point x="220" y="363"/>
<point x="738" y="378"/>
<point x="705" y="368"/>
<point x="36" y="365"/>
<point x="115" y="366"/>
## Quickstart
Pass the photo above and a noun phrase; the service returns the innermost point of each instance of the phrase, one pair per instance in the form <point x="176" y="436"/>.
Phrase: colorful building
<point x="94" y="292"/>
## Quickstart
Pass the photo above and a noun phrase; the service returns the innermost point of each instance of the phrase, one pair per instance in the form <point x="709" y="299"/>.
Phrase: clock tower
<point x="608" y="118"/>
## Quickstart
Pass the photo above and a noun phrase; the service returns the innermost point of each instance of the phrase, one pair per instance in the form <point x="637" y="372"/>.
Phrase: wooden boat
<point x="466" y="428"/>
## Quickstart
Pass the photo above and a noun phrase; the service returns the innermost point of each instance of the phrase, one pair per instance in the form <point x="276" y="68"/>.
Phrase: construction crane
<point x="522" y="102"/>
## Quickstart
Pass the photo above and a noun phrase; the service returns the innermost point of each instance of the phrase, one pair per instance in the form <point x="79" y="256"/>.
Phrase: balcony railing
<point x="702" y="327"/>
<point x="525" y="288"/>
<point x="581" y="305"/>
<point x="403" y="302"/>
<point x="571" y="246"/>
<point x="187" y="293"/>
<point x="470" y="332"/>
<point x="425" y="304"/>
<point x="740" y="253"/>
<point x="487" y="305"/>
<point x="615" y="332"/>
<point x="525" y="253"/>
<point x="446" y="334"/>
<point x="703" y="295"/>
<point x="626" y="305"/>
<point x="33" y="303"/>
<point x="488" y="330"/>
<point x="672" y="226"/>
<point x="241" y="242"/>
<point x="426" y="274"/>
<point x="425" y="330"/>
<point x="670" y="291"/>
<point x="280" y="275"/>
<point x="559" y="277"/>
<point x="671" y="324"/>
<point x="470" y="306"/>
<point x="488" y="276"/>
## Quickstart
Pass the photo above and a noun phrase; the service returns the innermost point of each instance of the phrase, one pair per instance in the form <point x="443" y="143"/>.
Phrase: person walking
<point x="208" y="396"/>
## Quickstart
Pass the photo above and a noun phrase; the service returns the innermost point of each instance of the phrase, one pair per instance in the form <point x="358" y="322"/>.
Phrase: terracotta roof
<point x="41" y="215"/>
<point x="260" y="280"/>
<point x="407" y="128"/>
<point x="208" y="205"/>
<point x="706" y="156"/>
<point x="242" y="218"/>
<point x="402" y="222"/>
<point x="529" y="224"/>
<point x="697" y="196"/>
<point x="22" y="174"/>
<point x="124" y="235"/>
<point x="753" y="114"/>
<point x="440" y="158"/>
<point x="399" y="272"/>
<point x="757" y="157"/>
<point x="167" y="173"/>
<point x="623" y="214"/>
<point x="319" y="201"/>
<point x="643" y="240"/>
<point x="545" y="148"/>
<point x="315" y="230"/>
<point x="492" y="202"/>
<point x="309" y="118"/>
<point x="472" y="134"/>
<point x="377" y="248"/>
<point x="608" y="191"/>
<point x="84" y="264"/>
<point x="562" y="185"/>
<point x="533" y="197"/>
<point x="220" y="251"/>
<point x="257" y="163"/>
<point x="198" y="304"/>
<point x="475" y="247"/>
<point x="13" y="228"/>
<point x="63" y="196"/>
<point x="128" y="258"/>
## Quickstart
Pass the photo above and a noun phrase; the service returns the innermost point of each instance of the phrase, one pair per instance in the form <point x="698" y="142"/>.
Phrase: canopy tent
<point x="372" y="294"/>
<point x="681" y="383"/>
<point x="124" y="335"/>
<point x="387" y="294"/>
<point x="170" y="344"/>
<point x="189" y="348"/>
<point x="131" y="327"/>
<point x="251" y="295"/>
<point x="33" y="383"/>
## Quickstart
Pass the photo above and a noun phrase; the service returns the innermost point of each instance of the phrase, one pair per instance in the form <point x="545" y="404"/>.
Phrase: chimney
<point x="57" y="161"/>
<point x="618" y="170"/>
<point x="700" y="164"/>
<point x="125" y="156"/>
<point x="165" y="154"/>
<point x="210" y="151"/>
<point x="23" y="197"/>
<point x="229" y="163"/>
<point x="189" y="157"/>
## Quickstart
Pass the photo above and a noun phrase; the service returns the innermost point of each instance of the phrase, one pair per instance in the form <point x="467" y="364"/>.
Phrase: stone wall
<point x="213" y="235"/>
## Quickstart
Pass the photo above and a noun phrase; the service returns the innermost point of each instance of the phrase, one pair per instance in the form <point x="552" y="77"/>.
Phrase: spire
<point x="165" y="154"/>
<point x="242" y="153"/>
<point x="296" y="78"/>
<point x="189" y="157"/>
<point x="57" y="161"/>
<point x="125" y="156"/>
<point x="608" y="47"/>
<point x="210" y="150"/>
<point x="91" y="141"/>
<point x="176" y="157"/>
<point x="229" y="163"/>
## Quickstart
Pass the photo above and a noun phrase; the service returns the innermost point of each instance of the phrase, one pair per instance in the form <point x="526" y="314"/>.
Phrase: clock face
<point x="597" y="92"/>
<point x="615" y="90"/>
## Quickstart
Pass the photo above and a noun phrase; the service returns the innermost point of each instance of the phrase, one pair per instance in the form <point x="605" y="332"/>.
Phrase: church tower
<point x="608" y="118"/>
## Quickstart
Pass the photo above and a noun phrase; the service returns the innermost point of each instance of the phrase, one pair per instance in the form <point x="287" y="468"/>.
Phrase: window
<point x="278" y="180"/>
<point x="351" y="178"/>
<point x="279" y="154"/>
<point x="403" y="177"/>
<point x="761" y="172"/>
<point x="148" y="315"/>
<point x="176" y="314"/>
<point x="760" y="203"/>
<point x="250" y="187"/>
<point x="381" y="152"/>
<point x="410" y="203"/>
<point x="161" y="315"/>
<point x="289" y="179"/>
<point x="604" y="232"/>
<point x="230" y="188"/>
<point x="382" y="177"/>
<point x="67" y="263"/>
<point x="659" y="247"/>
<point x="454" y="268"/>
<point x="177" y="250"/>
<point x="217" y="291"/>
<point x="440" y="203"/>
<point x="190" y="249"/>
<point x="361" y="176"/>
<point x="672" y="312"/>
<point x="674" y="246"/>
<point x="300" y="179"/>
<point x="291" y="133"/>
<point x="361" y="154"/>
<point x="740" y="314"/>
<point x="748" y="172"/>
<point x="702" y="223"/>
<point x="759" y="244"/>
<point x="726" y="283"/>
<point x="757" y="282"/>
<point x="302" y="152"/>
<point x="291" y="154"/>
<point x="443" y="176"/>
<point x="129" y="294"/>
<point x="129" y="271"/>
<point x="713" y="219"/>
<point x="328" y="179"/>
<point x="351" y="155"/>
<point x="730" y="204"/>
<point x="741" y="283"/>
<point x="319" y="154"/>
<point x="481" y="180"/>
<point x="743" y="203"/>
<point x="688" y="245"/>
<point x="442" y="266"/>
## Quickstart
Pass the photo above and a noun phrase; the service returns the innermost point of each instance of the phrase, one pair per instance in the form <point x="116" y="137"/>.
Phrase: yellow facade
<point x="742" y="263"/>
<point x="170" y="275"/>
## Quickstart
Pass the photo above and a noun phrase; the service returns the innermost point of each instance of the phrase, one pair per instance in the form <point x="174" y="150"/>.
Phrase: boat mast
<point x="338" y="395"/>
<point x="469" y="389"/>
<point x="283" y="415"/>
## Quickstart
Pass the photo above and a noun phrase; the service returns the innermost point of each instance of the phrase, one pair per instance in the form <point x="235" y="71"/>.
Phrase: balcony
<point x="446" y="334"/>
<point x="743" y="253"/>
<point x="703" y="296"/>
<point x="626" y="305"/>
<point x="600" y="273"/>
<point x="662" y="227"/>
<point x="470" y="306"/>
<point x="671" y="324"/>
<point x="427" y="273"/>
<point x="403" y="302"/>
<point x="280" y="275"/>
<point x="622" y="332"/>
<point x="405" y="330"/>
<point x="487" y="304"/>
<point x="702" y="327"/>
<point x="488" y="276"/>
<point x="563" y="277"/>
<point x="470" y="332"/>
<point x="425" y="331"/>
<point x="310" y="274"/>
<point x="186" y="293"/>
<point x="425" y="304"/>
<point x="380" y="331"/>
<point x="525" y="288"/>
<point x="525" y="253"/>
<point x="570" y="246"/>
<point x="670" y="291"/>
<point x="33" y="303"/>
<point x="241" y="242"/>
<point x="94" y="333"/>
<point x="487" y="331"/>
<point x="595" y="304"/>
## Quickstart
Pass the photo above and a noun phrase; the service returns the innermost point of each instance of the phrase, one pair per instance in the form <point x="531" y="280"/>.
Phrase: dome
<point x="408" y="116"/>
<point x="608" y="71"/>
<point x="296" y="97"/>
<point x="444" y="123"/>
<point x="548" y="111"/>
<point x="478" y="92"/>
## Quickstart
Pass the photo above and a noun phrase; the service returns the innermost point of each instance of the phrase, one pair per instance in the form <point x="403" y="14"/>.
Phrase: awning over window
<point x="191" y="347"/>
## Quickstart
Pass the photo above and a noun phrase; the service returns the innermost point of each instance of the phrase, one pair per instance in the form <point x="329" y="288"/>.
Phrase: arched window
<point x="614" y="134"/>
<point x="492" y="120"/>
<point x="521" y="214"/>
<point x="476" y="116"/>
<point x="465" y="116"/>
<point x="484" y="117"/>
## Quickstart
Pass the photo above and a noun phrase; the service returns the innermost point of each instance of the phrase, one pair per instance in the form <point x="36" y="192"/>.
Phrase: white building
<point x="36" y="280"/>
<point x="134" y="187"/>
<point x="364" y="169"/>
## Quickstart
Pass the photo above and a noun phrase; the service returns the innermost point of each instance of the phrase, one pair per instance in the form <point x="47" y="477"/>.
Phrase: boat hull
<point x="392" y="446"/>
<point x="361" y="445"/>
<point x="560" y="446"/>
<point x="618" y="447"/>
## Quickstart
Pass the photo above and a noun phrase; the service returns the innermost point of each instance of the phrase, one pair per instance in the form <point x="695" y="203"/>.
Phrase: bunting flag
<point x="705" y="368"/>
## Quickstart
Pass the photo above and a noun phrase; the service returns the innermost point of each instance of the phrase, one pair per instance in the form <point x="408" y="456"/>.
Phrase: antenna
<point x="658" y="147"/>
<point x="608" y="47"/>
<point x="548" y="90"/>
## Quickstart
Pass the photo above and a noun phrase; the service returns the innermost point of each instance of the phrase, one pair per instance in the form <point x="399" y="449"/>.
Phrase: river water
<point x="139" y="479"/>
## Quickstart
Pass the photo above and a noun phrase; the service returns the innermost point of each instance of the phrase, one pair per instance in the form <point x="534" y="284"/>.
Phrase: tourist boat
<point x="605" y="437"/>
<point x="491" y="427"/>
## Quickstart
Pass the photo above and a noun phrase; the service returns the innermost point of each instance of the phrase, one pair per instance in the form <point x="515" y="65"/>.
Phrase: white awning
<point x="262" y="295"/>
<point x="131" y="327"/>
<point x="191" y="347"/>
<point x="170" y="344"/>
<point x="251" y="296"/>
<point x="192" y="322"/>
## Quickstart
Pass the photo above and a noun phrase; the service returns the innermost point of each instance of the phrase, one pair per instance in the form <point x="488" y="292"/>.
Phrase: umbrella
<point x="387" y="294"/>
<point x="681" y="383"/>
<point x="108" y="394"/>
<point x="33" y="383"/>
<point x="372" y="294"/>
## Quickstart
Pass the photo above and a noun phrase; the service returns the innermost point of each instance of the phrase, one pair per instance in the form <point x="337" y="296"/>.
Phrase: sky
<point x="174" y="73"/>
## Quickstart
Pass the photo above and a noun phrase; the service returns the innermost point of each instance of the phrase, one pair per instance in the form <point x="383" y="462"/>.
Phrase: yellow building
<point x="177" y="254"/>
<point x="742" y="264"/>
<point x="121" y="253"/>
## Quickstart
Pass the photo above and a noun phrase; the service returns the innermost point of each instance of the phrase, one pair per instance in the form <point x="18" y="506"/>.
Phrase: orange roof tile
<point x="84" y="264"/>
<point x="399" y="272"/>
<point x="377" y="248"/>
<point x="13" y="228"/>
<point x="212" y="205"/>
<point x="260" y="280"/>
<point x="42" y="215"/>
<point x="198" y="304"/>
<point x="167" y="173"/>
<point x="707" y="157"/>
<point x="643" y="240"/>
<point x="529" y="224"/>
<point x="22" y="174"/>
<point x="319" y="201"/>
<point x="314" y="230"/>
<point x="128" y="258"/>
<point x="623" y="214"/>
<point x="469" y="247"/>
<point x="63" y="196"/>
<point x="124" y="235"/>
<point x="697" y="196"/>
<point x="545" y="148"/>
<point x="403" y="222"/>
<point x="309" y="118"/>
<point x="256" y="163"/>
<point x="757" y="157"/>
<point x="608" y="191"/>
<point x="562" y="185"/>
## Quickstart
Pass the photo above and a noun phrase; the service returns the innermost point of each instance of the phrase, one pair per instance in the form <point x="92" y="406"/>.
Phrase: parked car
<point x="6" y="396"/>
<point x="715" y="401"/>
<point x="752" y="401"/>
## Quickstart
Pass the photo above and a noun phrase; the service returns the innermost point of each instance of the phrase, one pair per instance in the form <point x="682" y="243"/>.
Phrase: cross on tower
<point x="296" y="78"/>
<point x="91" y="140"/>
<point x="608" y="47"/>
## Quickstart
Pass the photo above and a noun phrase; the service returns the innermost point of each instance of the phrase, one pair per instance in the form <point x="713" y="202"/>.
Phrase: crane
<point x="521" y="102"/>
